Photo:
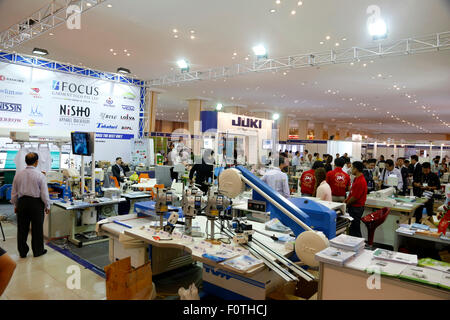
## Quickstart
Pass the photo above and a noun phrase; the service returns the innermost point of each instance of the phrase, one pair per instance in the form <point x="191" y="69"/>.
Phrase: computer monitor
<point x="81" y="144"/>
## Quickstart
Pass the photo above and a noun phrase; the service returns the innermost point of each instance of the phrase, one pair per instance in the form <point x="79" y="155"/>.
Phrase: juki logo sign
<point x="247" y="123"/>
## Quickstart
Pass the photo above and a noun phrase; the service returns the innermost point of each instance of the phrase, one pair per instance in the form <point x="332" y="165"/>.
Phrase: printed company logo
<point x="127" y="128"/>
<point x="63" y="88"/>
<point x="10" y="107"/>
<point x="8" y="79"/>
<point x="247" y="123"/>
<point x="109" y="103"/>
<point x="340" y="178"/>
<point x="308" y="178"/>
<point x="128" y="108"/>
<point x="10" y="92"/>
<point x="105" y="126"/>
<point x="127" y="117"/>
<point x="74" y="114"/>
<point x="129" y="96"/>
<point x="106" y="116"/>
<point x="10" y="120"/>
<point x="35" y="112"/>
<point x="35" y="93"/>
<point x="33" y="123"/>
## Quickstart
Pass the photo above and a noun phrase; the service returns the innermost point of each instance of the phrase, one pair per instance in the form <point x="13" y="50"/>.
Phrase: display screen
<point x="267" y="144"/>
<point x="80" y="143"/>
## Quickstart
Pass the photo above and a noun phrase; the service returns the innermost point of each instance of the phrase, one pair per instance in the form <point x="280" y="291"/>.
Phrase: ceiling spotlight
<point x="183" y="65"/>
<point x="337" y="44"/>
<point x="272" y="10"/>
<point x="219" y="106"/>
<point x="111" y="50"/>
<point x="344" y="39"/>
<point x="88" y="4"/>
<point x="377" y="29"/>
<point x="109" y="5"/>
<point x="192" y="37"/>
<point x="51" y="34"/>
<point x="276" y="116"/>
<point x="123" y="70"/>
<point x="175" y="36"/>
<point x="299" y="3"/>
<point x="192" y="31"/>
<point x="128" y="54"/>
<point x="278" y="1"/>
<point x="293" y="12"/>
<point x="115" y="53"/>
<point x="321" y="42"/>
<point x="328" y="37"/>
<point x="260" y="51"/>
<point x="41" y="52"/>
<point x="174" y="30"/>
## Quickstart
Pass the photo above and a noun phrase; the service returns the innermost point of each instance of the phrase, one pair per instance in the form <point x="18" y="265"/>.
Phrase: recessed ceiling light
<point x="125" y="50"/>
<point x="234" y="53"/>
<point x="175" y="36"/>
<point x="337" y="44"/>
<point x="51" y="34"/>
<point x="111" y="50"/>
<point x="192" y="37"/>
<point x="299" y="3"/>
<point x="321" y="42"/>
<point x="278" y="1"/>
<point x="88" y="4"/>
<point x="246" y="58"/>
<point x="192" y="31"/>
<point x="272" y="10"/>
<point x="328" y="37"/>
<point x="380" y="75"/>
<point x="109" y="5"/>
<point x="41" y="52"/>
<point x="115" y="53"/>
<point x="364" y="65"/>
<point x="293" y="12"/>
<point x="351" y="63"/>
<point x="128" y="54"/>
<point x="344" y="39"/>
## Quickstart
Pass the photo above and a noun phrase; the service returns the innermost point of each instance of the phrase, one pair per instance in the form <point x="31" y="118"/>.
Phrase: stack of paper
<point x="361" y="261"/>
<point x="404" y="230"/>
<point x="445" y="281"/>
<point x="434" y="264"/>
<point x="387" y="268"/>
<point x="243" y="263"/>
<point x="424" y="275"/>
<point x="347" y="242"/>
<point x="382" y="254"/>
<point x="420" y="226"/>
<point x="335" y="256"/>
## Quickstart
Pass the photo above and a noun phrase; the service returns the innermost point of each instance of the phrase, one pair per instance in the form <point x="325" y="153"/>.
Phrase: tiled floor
<point x="45" y="277"/>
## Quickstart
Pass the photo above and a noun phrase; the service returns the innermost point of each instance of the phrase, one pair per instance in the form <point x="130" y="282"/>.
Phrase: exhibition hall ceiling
<point x="388" y="95"/>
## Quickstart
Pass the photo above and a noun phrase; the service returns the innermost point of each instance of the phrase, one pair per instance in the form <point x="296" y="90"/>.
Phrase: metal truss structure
<point x="43" y="20"/>
<point x="435" y="42"/>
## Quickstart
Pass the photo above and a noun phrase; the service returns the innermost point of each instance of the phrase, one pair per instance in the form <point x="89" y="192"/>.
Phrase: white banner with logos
<point x="47" y="103"/>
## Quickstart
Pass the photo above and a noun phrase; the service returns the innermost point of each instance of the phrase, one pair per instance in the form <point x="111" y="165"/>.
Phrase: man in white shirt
<point x="296" y="159"/>
<point x="391" y="170"/>
<point x="31" y="200"/>
<point x="278" y="180"/>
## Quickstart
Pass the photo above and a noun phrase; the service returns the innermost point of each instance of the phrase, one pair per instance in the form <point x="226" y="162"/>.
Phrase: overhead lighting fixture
<point x="183" y="65"/>
<point x="174" y="30"/>
<point x="276" y="116"/>
<point x="272" y="10"/>
<point x="293" y="12"/>
<point x="109" y="5"/>
<point x="219" y="106"/>
<point x="278" y="1"/>
<point x="299" y="3"/>
<point x="321" y="42"/>
<point x="378" y="29"/>
<point x="337" y="44"/>
<point x="328" y="37"/>
<point x="51" y="34"/>
<point x="260" y="51"/>
<point x="192" y="37"/>
<point x="123" y="70"/>
<point x="41" y="52"/>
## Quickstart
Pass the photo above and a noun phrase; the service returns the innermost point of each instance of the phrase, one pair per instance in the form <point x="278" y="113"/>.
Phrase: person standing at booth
<point x="120" y="169"/>
<point x="31" y="200"/>
<point x="308" y="180"/>
<point x="278" y="180"/>
<point x="357" y="199"/>
<point x="339" y="181"/>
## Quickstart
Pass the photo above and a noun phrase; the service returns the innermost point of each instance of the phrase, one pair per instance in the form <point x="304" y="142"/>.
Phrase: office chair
<point x="373" y="221"/>
<point x="116" y="183"/>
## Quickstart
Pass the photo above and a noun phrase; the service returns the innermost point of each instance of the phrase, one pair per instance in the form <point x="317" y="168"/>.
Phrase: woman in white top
<point x="322" y="188"/>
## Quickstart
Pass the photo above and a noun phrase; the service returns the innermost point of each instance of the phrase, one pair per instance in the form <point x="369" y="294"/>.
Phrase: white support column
<point x="302" y="129"/>
<point x="318" y="131"/>
<point x="375" y="150"/>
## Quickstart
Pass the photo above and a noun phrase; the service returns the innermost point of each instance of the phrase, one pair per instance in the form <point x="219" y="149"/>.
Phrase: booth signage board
<point x="49" y="103"/>
<point x="229" y="121"/>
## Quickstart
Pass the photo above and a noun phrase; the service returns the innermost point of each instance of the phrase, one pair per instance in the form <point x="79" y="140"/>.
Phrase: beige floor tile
<point x="54" y="293"/>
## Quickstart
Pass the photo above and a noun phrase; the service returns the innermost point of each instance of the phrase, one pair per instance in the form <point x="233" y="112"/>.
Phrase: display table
<point x="217" y="278"/>
<point x="64" y="215"/>
<point x="134" y="197"/>
<point x="400" y="238"/>
<point x="349" y="283"/>
<point x="400" y="214"/>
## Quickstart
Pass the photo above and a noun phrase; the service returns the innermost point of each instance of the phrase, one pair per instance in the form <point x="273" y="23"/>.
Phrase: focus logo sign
<point x="105" y="126"/>
<point x="10" y="107"/>
<point x="127" y="117"/>
<point x="127" y="128"/>
<point x="63" y="89"/>
<point x="129" y="96"/>
<point x="74" y="114"/>
<point x="128" y="108"/>
<point x="11" y="80"/>
<point x="35" y="93"/>
<point x="11" y="93"/>
<point x="35" y="112"/>
<point x="109" y="103"/>
<point x="10" y="120"/>
<point x="106" y="116"/>
<point x="33" y="123"/>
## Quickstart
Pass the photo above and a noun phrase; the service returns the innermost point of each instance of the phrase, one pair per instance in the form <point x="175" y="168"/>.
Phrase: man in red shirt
<point x="338" y="180"/>
<point x="357" y="198"/>
<point x="308" y="180"/>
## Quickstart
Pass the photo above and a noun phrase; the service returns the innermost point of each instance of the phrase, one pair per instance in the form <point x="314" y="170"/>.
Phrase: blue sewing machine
<point x="298" y="214"/>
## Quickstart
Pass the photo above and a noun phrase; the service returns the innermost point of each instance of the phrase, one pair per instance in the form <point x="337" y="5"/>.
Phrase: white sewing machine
<point x="381" y="198"/>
